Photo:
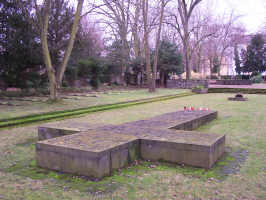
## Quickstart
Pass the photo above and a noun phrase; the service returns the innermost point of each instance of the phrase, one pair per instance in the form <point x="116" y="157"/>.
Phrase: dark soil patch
<point x="233" y="167"/>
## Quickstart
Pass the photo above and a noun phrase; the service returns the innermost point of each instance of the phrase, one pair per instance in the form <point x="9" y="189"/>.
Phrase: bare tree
<point x="117" y="17"/>
<point x="55" y="78"/>
<point x="136" y="28"/>
<point x="219" y="47"/>
<point x="228" y="35"/>
<point x="203" y="28"/>
<point x="158" y="37"/>
<point x="184" y="12"/>
<point x="145" y="10"/>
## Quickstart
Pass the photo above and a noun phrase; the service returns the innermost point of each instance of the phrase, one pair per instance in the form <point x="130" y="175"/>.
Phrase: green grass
<point x="80" y="111"/>
<point x="243" y="122"/>
<point x="39" y="105"/>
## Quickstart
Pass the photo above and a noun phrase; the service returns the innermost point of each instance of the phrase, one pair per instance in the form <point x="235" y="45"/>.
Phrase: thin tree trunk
<point x="185" y="14"/>
<point x="210" y="67"/>
<point x="187" y="51"/>
<point x="187" y="63"/>
<point x="146" y="39"/>
<point x="62" y="67"/>
<point x="135" y="30"/>
<point x="158" y="37"/>
<point x="55" y="79"/>
<point x="45" y="50"/>
<point x="162" y="78"/>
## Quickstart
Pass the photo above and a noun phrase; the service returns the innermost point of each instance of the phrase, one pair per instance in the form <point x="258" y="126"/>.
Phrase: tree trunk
<point x="62" y="67"/>
<point x="46" y="53"/>
<point x="146" y="43"/>
<point x="157" y="46"/>
<point x="185" y="14"/>
<point x="162" y="79"/>
<point x="187" y="51"/>
<point x="210" y="67"/>
<point x="55" y="79"/>
<point x="187" y="63"/>
<point x="135" y="35"/>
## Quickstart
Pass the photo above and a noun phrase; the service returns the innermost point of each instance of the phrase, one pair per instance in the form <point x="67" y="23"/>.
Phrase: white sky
<point x="253" y="12"/>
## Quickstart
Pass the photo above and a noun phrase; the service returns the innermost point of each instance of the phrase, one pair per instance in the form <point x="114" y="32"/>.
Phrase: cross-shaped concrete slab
<point x="98" y="150"/>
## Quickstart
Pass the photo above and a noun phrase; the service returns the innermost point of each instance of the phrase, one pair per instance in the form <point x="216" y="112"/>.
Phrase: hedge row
<point x="75" y="112"/>
<point x="237" y="90"/>
<point x="24" y="93"/>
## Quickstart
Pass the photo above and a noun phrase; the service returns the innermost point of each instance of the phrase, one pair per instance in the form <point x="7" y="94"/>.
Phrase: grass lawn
<point x="35" y="105"/>
<point x="239" y="175"/>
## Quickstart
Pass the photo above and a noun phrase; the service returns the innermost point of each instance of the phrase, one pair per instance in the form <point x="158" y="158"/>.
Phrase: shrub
<point x="214" y="77"/>
<point x="256" y="79"/>
<point x="91" y="68"/>
<point x="198" y="87"/>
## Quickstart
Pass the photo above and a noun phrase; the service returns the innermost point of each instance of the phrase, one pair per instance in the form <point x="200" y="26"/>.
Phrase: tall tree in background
<point x="20" y="52"/>
<point x="185" y="12"/>
<point x="181" y="19"/>
<point x="56" y="77"/>
<point x="117" y="17"/>
<point x="237" y="60"/>
<point x="157" y="46"/>
<point x="254" y="58"/>
<point x="169" y="60"/>
<point x="146" y="31"/>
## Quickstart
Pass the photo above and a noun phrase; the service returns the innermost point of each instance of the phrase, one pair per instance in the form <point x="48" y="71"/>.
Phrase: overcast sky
<point x="253" y="12"/>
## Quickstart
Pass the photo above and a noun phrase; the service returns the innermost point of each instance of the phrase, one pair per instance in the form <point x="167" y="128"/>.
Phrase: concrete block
<point x="97" y="150"/>
<point x="91" y="153"/>
<point x="190" y="148"/>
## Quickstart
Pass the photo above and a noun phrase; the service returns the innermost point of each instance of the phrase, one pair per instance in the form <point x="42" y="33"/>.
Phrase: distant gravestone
<point x="238" y="97"/>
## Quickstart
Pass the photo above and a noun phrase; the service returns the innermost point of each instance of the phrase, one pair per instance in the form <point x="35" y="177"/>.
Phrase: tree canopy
<point x="20" y="52"/>
<point x="254" y="58"/>
<point x="170" y="59"/>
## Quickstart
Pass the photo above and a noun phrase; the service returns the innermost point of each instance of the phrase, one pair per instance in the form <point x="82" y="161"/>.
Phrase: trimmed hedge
<point x="75" y="112"/>
<point x="237" y="90"/>
<point x="233" y="82"/>
<point x="24" y="93"/>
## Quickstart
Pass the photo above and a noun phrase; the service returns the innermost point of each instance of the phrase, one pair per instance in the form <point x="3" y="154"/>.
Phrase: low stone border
<point x="187" y="84"/>
<point x="233" y="82"/>
<point x="237" y="90"/>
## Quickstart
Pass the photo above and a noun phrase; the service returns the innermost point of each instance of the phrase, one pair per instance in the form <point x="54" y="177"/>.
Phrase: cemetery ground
<point x="240" y="174"/>
<point x="20" y="106"/>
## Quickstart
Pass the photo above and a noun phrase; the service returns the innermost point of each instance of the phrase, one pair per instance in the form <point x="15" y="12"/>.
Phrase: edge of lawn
<point x="32" y="118"/>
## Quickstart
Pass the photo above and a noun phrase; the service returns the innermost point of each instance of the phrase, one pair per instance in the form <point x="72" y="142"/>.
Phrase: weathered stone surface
<point x="181" y="120"/>
<point x="46" y="132"/>
<point x="191" y="148"/>
<point x="177" y="146"/>
<point x="61" y="128"/>
<point x="91" y="153"/>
